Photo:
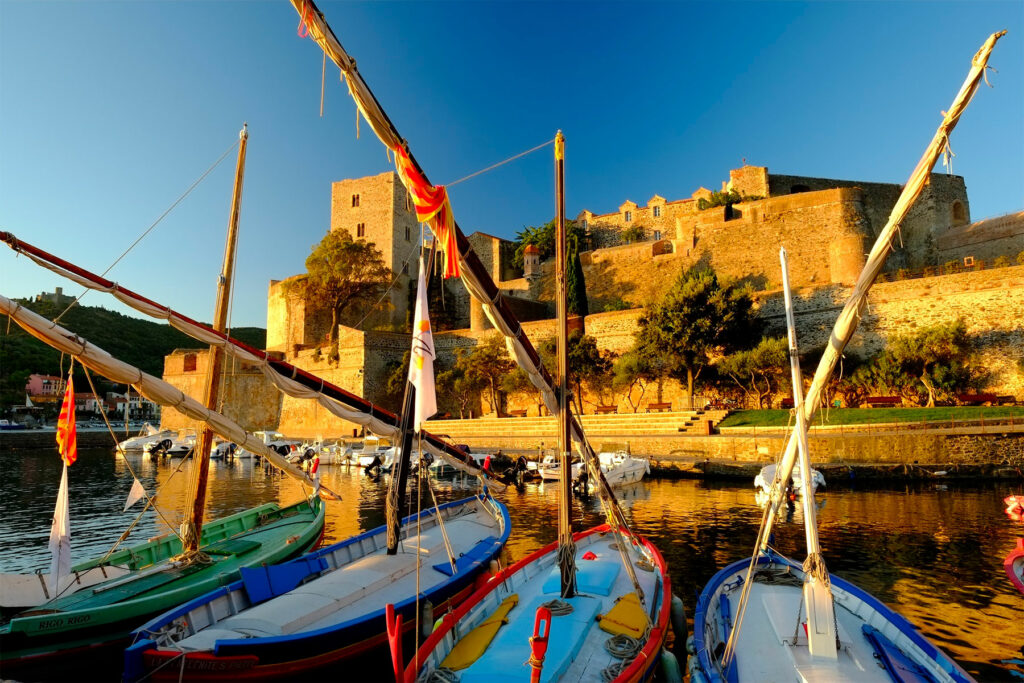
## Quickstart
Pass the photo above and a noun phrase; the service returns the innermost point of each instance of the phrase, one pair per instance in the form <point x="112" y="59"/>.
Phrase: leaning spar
<point x="433" y="208"/>
<point x="289" y="379"/>
<point x="153" y="388"/>
<point x="849" y="318"/>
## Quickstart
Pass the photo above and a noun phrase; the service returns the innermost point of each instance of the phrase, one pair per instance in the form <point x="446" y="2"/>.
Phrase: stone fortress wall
<point x="826" y="226"/>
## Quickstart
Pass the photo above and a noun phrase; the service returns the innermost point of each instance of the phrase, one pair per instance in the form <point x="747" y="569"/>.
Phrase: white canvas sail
<point x="60" y="536"/>
<point x="421" y="361"/>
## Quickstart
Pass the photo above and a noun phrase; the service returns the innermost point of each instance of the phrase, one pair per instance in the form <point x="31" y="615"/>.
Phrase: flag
<point x="421" y="362"/>
<point x="60" y="536"/>
<point x="67" y="434"/>
<point x="28" y="402"/>
<point x="137" y="493"/>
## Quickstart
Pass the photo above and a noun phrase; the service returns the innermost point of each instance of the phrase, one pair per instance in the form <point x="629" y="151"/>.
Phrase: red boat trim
<point x="1016" y="553"/>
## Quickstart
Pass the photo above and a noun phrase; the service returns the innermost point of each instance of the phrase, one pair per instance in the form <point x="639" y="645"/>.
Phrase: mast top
<point x="244" y="133"/>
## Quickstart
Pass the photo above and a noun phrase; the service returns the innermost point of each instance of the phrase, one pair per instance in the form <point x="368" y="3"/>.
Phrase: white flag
<point x="135" y="495"/>
<point x="421" y="362"/>
<point x="60" y="536"/>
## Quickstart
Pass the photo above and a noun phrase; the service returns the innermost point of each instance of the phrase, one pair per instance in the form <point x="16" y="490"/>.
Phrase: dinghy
<point x="327" y="606"/>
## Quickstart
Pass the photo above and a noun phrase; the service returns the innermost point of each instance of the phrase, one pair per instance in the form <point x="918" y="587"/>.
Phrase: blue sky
<point x="110" y="110"/>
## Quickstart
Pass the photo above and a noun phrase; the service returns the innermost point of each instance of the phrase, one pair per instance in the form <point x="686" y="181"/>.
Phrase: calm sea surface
<point x="933" y="554"/>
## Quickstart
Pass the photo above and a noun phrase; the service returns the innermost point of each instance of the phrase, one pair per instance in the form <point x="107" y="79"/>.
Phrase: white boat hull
<point x="765" y="477"/>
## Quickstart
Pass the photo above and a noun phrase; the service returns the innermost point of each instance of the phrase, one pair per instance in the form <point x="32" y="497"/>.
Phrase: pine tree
<point x="575" y="283"/>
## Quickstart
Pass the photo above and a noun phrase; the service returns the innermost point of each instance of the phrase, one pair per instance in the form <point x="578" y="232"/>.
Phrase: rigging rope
<point x="500" y="163"/>
<point x="154" y="224"/>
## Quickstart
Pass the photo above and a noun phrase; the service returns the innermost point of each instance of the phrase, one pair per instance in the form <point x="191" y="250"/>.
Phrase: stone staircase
<point x="688" y="422"/>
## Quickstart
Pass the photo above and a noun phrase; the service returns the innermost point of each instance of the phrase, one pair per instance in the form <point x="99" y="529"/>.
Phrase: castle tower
<point x="531" y="262"/>
<point x="376" y="208"/>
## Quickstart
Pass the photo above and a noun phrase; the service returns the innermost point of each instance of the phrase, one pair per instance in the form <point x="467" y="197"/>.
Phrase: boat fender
<point x="696" y="675"/>
<point x="427" y="618"/>
<point x="677" y="615"/>
<point x="589" y="555"/>
<point x="670" y="667"/>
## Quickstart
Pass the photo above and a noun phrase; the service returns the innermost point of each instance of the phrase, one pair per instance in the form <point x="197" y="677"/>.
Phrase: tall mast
<point x="821" y="628"/>
<point x="201" y="456"/>
<point x="567" y="554"/>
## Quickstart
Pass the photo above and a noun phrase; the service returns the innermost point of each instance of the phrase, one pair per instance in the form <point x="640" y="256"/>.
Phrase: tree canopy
<point x="575" y="283"/>
<point x="543" y="237"/>
<point x="345" y="277"/>
<point x="698" y="320"/>
<point x="759" y="372"/>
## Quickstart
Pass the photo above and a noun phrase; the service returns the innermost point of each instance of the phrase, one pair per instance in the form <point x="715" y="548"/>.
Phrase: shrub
<point x="634" y="233"/>
<point x="1001" y="261"/>
<point x="1020" y="259"/>
<point x="902" y="274"/>
<point x="951" y="267"/>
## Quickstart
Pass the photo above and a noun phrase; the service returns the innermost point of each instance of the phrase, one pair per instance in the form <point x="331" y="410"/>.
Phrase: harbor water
<point x="932" y="552"/>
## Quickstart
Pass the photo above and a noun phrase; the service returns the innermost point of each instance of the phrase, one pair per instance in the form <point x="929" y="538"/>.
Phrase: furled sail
<point x="287" y="378"/>
<point x="452" y="240"/>
<point x="153" y="388"/>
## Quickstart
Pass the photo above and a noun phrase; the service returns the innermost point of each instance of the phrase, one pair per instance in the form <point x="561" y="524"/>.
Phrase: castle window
<point x="189" y="364"/>
<point x="355" y="200"/>
<point x="959" y="215"/>
<point x="405" y="268"/>
<point x="629" y="216"/>
<point x="657" y="211"/>
<point x="584" y="224"/>
<point x="657" y="235"/>
<point x="360" y="229"/>
<point x="407" y="233"/>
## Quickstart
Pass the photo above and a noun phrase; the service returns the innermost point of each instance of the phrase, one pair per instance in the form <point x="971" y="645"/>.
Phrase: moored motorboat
<point x="766" y="476"/>
<point x="326" y="606"/>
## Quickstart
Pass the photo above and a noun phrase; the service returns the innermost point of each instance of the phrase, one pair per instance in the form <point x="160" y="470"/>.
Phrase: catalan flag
<point x="67" y="433"/>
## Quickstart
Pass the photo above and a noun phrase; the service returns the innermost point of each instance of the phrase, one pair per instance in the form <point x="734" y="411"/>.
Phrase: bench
<point x="606" y="410"/>
<point x="883" y="401"/>
<point x="976" y="399"/>
<point x="517" y="413"/>
<point x="658" y="407"/>
<point x="787" y="404"/>
<point x="1006" y="400"/>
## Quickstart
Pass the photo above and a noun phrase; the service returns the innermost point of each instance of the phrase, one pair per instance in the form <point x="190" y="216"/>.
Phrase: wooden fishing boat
<point x="604" y="606"/>
<point x="328" y="606"/>
<point x="103" y="615"/>
<point x="1014" y="565"/>
<point x="876" y="644"/>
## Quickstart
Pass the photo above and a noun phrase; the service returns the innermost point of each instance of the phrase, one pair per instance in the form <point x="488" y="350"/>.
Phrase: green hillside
<point x="133" y="340"/>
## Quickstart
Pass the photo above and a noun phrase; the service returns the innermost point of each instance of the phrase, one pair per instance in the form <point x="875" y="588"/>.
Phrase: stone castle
<point x="826" y="225"/>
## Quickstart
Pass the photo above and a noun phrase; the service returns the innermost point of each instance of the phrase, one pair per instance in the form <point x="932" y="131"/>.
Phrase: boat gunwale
<point x="655" y="640"/>
<point x="902" y="624"/>
<point x="168" y="617"/>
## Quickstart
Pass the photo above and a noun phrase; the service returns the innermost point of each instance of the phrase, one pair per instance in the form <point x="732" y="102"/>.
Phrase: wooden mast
<point x="193" y="523"/>
<point x="567" y="549"/>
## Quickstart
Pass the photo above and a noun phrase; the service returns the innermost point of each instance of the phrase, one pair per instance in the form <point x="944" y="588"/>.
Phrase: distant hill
<point x="139" y="342"/>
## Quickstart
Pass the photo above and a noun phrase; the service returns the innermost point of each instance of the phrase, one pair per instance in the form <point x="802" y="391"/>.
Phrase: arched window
<point x="959" y="214"/>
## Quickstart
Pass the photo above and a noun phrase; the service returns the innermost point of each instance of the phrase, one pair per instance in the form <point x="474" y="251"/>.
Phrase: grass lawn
<point x="851" y="416"/>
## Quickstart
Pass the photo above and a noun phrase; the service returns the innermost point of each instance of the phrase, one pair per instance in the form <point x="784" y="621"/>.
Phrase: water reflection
<point x="933" y="555"/>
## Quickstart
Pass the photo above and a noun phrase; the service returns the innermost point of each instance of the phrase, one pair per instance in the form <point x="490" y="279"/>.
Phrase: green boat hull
<point x="104" y="614"/>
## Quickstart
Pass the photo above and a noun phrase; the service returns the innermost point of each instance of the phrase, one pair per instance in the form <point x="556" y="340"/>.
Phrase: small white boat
<point x="149" y="433"/>
<point x="765" y="477"/>
<point x="178" y="445"/>
<point x="619" y="468"/>
<point x="274" y="440"/>
<point x="375" y="447"/>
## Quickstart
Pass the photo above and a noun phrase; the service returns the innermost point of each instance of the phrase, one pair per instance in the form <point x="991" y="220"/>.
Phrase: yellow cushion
<point x="626" y="617"/>
<point x="475" y="643"/>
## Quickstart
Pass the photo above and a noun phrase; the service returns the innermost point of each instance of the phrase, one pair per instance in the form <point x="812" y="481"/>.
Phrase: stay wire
<point x="155" y="223"/>
<point x="500" y="163"/>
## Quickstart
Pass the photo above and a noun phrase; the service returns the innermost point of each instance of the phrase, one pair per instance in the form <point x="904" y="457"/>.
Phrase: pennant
<point x="433" y="208"/>
<point x="137" y="493"/>
<point x="421" y="361"/>
<point x="67" y="433"/>
<point x="60" y="536"/>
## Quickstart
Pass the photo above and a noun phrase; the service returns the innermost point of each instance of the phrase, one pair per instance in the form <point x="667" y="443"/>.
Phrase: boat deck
<point x="576" y="648"/>
<point x="360" y="587"/>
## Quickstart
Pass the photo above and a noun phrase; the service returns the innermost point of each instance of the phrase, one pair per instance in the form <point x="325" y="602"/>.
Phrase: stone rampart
<point x="984" y="240"/>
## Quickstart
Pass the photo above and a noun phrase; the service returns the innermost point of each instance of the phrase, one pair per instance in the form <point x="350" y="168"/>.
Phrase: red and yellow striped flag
<point x="67" y="433"/>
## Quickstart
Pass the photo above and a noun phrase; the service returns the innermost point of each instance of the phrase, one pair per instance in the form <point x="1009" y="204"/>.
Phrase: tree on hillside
<point x="543" y="237"/>
<point x="760" y="371"/>
<point x="460" y="382"/>
<point x="575" y="284"/>
<point x="698" y="320"/>
<point x="633" y="371"/>
<point x="345" y="277"/>
<point x="587" y="365"/>
<point x="487" y="364"/>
